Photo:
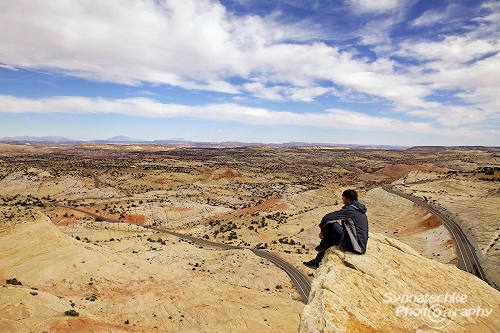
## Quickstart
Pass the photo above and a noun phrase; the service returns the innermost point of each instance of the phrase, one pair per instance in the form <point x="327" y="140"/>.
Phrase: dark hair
<point x="350" y="194"/>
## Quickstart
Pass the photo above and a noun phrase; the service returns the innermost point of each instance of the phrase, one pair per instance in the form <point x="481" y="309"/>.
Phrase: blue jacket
<point x="354" y="225"/>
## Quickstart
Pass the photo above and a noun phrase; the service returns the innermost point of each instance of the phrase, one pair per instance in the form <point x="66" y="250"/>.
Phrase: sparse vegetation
<point x="253" y="197"/>
<point x="14" y="282"/>
<point x="71" y="313"/>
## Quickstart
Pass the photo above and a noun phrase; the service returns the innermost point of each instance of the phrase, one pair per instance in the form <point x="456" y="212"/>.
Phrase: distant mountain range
<point x="179" y="142"/>
<point x="119" y="138"/>
<point x="27" y="138"/>
<point x="440" y="148"/>
<point x="62" y="139"/>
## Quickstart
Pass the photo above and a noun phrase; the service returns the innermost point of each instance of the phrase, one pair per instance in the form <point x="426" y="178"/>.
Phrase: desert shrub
<point x="71" y="313"/>
<point x="14" y="281"/>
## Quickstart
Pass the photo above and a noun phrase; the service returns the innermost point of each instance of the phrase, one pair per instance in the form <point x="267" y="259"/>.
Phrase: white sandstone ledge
<point x="392" y="288"/>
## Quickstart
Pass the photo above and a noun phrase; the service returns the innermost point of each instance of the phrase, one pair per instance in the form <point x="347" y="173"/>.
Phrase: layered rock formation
<point x="392" y="288"/>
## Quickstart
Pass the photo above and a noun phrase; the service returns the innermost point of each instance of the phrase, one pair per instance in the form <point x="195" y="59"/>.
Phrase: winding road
<point x="467" y="259"/>
<point x="97" y="183"/>
<point x="298" y="278"/>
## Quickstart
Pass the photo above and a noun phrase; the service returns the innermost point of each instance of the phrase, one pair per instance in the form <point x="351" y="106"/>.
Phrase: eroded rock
<point x="392" y="288"/>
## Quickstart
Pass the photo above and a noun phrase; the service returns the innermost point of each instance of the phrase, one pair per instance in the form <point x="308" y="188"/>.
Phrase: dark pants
<point x="331" y="236"/>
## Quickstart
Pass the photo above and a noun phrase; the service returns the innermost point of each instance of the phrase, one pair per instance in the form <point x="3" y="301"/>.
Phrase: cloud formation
<point x="145" y="107"/>
<point x="426" y="82"/>
<point x="380" y="6"/>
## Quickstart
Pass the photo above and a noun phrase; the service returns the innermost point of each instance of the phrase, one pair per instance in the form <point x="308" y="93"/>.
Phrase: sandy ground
<point x="123" y="277"/>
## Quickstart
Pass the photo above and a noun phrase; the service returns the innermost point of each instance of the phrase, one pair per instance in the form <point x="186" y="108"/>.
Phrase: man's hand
<point x="321" y="234"/>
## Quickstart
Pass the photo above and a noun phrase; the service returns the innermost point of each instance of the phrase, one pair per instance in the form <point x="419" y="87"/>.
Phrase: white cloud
<point x="160" y="42"/>
<point x="8" y="67"/>
<point x="447" y="18"/>
<point x="280" y="93"/>
<point x="307" y="94"/>
<point x="144" y="107"/>
<point x="261" y="91"/>
<point x="465" y="64"/>
<point x="429" y="18"/>
<point x="188" y="43"/>
<point x="451" y="49"/>
<point x="493" y="9"/>
<point x="197" y="44"/>
<point x="378" y="6"/>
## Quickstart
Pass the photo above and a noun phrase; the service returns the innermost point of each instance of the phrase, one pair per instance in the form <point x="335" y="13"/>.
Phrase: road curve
<point x="467" y="259"/>
<point x="298" y="278"/>
<point x="97" y="183"/>
<point x="94" y="215"/>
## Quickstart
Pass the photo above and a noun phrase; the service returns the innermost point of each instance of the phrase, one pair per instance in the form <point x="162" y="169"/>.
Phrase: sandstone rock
<point x="176" y="287"/>
<point x="392" y="288"/>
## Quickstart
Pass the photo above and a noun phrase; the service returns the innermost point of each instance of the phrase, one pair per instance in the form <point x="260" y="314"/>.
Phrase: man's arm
<point x="342" y="214"/>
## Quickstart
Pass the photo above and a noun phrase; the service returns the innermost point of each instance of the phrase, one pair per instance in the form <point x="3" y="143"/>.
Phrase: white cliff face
<point x="392" y="288"/>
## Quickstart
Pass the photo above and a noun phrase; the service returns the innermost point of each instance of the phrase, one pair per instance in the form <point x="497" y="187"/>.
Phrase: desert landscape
<point x="76" y="229"/>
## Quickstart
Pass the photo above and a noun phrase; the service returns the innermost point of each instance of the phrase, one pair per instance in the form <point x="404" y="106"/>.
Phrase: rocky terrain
<point x="122" y="276"/>
<point x="392" y="288"/>
<point x="128" y="280"/>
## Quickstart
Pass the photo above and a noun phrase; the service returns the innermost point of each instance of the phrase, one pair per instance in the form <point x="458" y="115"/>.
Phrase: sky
<point x="384" y="72"/>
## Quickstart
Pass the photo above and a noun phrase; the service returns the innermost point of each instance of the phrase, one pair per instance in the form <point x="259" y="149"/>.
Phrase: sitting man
<point x="352" y="235"/>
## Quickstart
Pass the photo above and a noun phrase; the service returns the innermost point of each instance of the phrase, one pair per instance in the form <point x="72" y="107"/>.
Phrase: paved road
<point x="94" y="215"/>
<point x="97" y="183"/>
<point x="298" y="278"/>
<point x="467" y="259"/>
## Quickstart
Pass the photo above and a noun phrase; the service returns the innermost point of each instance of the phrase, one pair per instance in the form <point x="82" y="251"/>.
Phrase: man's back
<point x="355" y="225"/>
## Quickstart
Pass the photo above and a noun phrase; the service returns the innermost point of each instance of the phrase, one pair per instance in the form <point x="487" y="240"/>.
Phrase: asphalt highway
<point x="94" y="215"/>
<point x="96" y="179"/>
<point x="467" y="259"/>
<point x="298" y="278"/>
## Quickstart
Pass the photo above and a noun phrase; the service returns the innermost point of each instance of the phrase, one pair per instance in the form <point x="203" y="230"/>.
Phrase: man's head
<point x="350" y="195"/>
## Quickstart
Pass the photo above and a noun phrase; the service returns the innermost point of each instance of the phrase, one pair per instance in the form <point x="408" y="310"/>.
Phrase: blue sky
<point x="394" y="72"/>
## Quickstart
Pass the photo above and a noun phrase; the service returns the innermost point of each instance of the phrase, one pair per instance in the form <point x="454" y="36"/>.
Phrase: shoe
<point x="311" y="264"/>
